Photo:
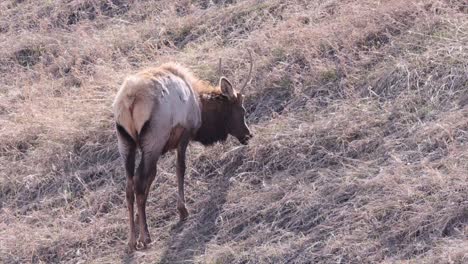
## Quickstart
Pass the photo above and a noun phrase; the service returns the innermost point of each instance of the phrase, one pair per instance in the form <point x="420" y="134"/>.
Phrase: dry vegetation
<point x="360" y="110"/>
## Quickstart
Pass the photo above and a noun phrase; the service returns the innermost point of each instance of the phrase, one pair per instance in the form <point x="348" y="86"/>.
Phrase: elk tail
<point x="132" y="108"/>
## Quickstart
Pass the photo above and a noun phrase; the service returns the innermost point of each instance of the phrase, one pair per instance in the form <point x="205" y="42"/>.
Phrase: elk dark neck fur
<point x="215" y="110"/>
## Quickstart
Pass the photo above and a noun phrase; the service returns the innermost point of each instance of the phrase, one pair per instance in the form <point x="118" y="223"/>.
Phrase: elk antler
<point x="220" y="70"/>
<point x="250" y="72"/>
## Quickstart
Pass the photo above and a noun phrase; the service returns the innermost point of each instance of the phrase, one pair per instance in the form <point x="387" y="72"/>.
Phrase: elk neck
<point x="215" y="109"/>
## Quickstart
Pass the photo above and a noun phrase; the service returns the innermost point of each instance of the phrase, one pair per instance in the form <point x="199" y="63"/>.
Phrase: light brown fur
<point x="134" y="102"/>
<point x="163" y="108"/>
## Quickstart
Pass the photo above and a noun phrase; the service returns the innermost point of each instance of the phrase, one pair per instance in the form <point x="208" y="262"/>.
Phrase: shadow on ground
<point x="189" y="238"/>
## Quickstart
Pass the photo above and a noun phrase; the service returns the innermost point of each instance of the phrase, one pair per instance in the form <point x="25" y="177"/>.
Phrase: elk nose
<point x="245" y="140"/>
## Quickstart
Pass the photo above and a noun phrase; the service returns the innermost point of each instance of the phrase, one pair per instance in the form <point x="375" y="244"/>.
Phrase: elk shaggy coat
<point x="170" y="91"/>
<point x="161" y="109"/>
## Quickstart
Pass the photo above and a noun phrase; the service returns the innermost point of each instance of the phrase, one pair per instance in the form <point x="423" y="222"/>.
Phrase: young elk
<point x="161" y="109"/>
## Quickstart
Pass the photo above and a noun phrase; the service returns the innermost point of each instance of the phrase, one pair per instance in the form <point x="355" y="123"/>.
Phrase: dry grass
<point x="360" y="110"/>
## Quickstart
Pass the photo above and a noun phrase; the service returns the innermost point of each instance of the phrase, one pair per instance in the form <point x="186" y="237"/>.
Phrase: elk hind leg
<point x="127" y="150"/>
<point x="151" y="149"/>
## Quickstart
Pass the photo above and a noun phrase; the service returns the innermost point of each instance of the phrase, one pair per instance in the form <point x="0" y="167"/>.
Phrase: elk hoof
<point x="183" y="213"/>
<point x="143" y="243"/>
<point x="132" y="246"/>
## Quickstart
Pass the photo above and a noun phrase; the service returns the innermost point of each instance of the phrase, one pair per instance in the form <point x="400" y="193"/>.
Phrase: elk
<point x="162" y="109"/>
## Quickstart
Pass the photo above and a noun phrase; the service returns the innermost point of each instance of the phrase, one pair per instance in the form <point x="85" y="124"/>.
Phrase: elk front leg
<point x="180" y="171"/>
<point x="146" y="173"/>
<point x="149" y="181"/>
<point x="140" y="185"/>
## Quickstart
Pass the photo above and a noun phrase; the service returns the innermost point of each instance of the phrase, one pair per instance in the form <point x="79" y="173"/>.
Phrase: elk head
<point x="236" y="125"/>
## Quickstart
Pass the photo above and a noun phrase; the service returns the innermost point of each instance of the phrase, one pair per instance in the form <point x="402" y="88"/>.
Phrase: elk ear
<point x="240" y="98"/>
<point x="226" y="88"/>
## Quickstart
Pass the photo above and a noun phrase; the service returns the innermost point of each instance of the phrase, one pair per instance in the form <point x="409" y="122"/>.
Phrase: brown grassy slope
<point x="360" y="110"/>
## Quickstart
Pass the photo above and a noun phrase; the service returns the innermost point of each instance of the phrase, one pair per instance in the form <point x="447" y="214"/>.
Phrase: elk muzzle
<point x="245" y="139"/>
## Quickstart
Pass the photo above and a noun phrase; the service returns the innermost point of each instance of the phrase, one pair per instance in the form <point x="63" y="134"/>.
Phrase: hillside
<point x="359" y="110"/>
